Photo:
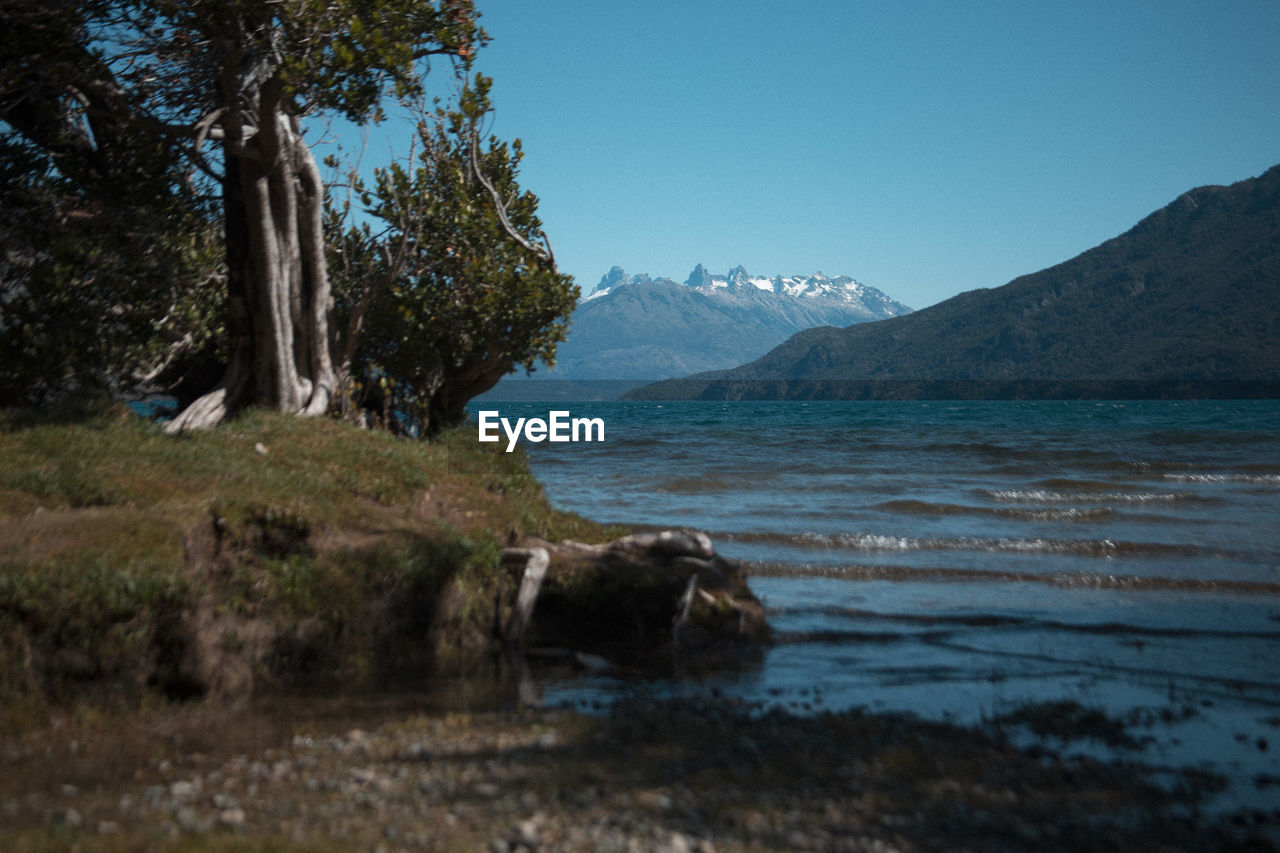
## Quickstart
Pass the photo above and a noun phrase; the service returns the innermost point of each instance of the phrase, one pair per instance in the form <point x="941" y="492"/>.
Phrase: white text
<point x="558" y="426"/>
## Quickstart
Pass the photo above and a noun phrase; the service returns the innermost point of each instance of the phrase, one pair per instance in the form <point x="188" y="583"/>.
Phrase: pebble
<point x="232" y="818"/>
<point x="677" y="843"/>
<point x="184" y="790"/>
<point x="188" y="819"/>
<point x="490" y="780"/>
<point x="222" y="802"/>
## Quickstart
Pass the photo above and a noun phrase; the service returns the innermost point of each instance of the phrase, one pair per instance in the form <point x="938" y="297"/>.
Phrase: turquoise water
<point x="957" y="559"/>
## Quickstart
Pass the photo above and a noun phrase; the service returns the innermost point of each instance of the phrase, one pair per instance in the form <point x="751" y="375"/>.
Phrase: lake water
<point x="959" y="559"/>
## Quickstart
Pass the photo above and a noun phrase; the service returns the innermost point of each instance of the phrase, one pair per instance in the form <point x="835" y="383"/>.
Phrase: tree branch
<point x="544" y="251"/>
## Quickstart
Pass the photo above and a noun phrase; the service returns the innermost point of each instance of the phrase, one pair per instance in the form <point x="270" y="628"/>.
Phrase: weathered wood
<point x="535" y="569"/>
<point x="651" y="600"/>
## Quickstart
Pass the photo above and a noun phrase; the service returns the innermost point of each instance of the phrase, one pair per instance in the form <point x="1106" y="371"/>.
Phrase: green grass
<point x="112" y="532"/>
<point x="315" y="471"/>
<point x="321" y="466"/>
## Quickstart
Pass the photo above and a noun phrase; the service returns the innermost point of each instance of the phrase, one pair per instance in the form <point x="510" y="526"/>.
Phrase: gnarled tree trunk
<point x="278" y="283"/>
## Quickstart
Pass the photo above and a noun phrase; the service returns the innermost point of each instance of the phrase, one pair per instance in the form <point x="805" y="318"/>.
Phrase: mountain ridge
<point x="1190" y="294"/>
<point x="639" y="327"/>
<point x="813" y="285"/>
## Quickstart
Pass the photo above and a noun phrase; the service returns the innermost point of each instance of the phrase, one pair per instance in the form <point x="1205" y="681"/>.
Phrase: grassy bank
<point x="273" y="549"/>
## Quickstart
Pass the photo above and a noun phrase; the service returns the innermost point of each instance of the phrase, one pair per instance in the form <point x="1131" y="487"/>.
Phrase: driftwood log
<point x="651" y="601"/>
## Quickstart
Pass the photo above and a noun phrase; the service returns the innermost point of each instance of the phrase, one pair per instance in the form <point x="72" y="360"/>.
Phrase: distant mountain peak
<point x="640" y="326"/>
<point x="699" y="277"/>
<point x="613" y="278"/>
<point x="1182" y="304"/>
<point x="816" y="286"/>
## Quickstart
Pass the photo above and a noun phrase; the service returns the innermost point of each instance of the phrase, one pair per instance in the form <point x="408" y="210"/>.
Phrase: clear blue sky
<point x="924" y="148"/>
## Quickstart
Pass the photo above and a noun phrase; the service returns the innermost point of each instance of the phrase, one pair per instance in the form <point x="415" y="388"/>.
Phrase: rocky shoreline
<point x="648" y="775"/>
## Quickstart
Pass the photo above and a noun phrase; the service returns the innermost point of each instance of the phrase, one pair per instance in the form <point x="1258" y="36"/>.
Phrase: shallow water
<point x="957" y="559"/>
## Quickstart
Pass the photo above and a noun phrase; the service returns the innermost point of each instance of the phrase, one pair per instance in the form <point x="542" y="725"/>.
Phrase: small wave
<point x="1055" y="497"/>
<point x="848" y="637"/>
<point x="694" y="486"/>
<point x="1253" y="479"/>
<point x="975" y="447"/>
<point x="918" y="507"/>
<point x="1066" y="580"/>
<point x="1083" y="486"/>
<point x="1073" y="513"/>
<point x="1104" y="548"/>
<point x="979" y="620"/>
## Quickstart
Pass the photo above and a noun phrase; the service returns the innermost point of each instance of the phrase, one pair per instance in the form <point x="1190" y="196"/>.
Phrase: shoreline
<point x="129" y="769"/>
<point x="383" y="773"/>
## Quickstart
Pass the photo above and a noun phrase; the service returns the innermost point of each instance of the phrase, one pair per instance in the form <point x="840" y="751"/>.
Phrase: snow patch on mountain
<point x="639" y="327"/>
<point x="738" y="280"/>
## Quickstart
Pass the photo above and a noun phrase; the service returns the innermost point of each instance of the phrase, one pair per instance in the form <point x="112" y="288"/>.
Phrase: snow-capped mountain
<point x="815" y="286"/>
<point x="639" y="327"/>
<point x="1184" y="304"/>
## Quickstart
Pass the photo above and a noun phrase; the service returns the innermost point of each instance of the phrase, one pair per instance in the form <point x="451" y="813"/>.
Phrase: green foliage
<point x="346" y="56"/>
<point x="120" y="124"/>
<point x="98" y="287"/>
<point x="448" y="299"/>
<point x="109" y="112"/>
<point x="110" y="263"/>
<point x="83" y="617"/>
<point x="78" y="599"/>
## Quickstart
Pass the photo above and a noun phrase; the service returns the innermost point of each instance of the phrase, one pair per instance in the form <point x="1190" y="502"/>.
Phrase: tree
<point x="109" y="274"/>
<point x="459" y="284"/>
<point x="225" y="84"/>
